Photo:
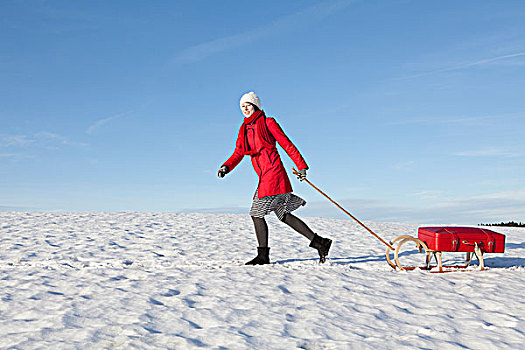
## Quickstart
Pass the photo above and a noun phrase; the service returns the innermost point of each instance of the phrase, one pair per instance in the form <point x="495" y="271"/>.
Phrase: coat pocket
<point x="273" y="157"/>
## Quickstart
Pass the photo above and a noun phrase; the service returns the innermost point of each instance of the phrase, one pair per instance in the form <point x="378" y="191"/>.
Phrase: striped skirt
<point x="280" y="204"/>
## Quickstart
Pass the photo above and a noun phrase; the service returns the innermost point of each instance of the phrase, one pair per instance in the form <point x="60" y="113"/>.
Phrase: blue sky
<point x="406" y="111"/>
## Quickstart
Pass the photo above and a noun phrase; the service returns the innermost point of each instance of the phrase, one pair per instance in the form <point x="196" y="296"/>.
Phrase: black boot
<point x="262" y="258"/>
<point x="322" y="245"/>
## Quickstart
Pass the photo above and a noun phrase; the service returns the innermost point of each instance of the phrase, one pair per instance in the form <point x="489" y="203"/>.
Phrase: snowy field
<point x="177" y="281"/>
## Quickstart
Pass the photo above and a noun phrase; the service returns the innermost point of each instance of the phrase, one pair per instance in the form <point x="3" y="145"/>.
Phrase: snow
<point x="152" y="280"/>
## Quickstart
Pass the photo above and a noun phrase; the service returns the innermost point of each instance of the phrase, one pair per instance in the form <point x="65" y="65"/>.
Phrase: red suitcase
<point x="461" y="239"/>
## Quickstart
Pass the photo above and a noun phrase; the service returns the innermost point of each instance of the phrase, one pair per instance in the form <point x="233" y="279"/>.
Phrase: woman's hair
<point x="255" y="108"/>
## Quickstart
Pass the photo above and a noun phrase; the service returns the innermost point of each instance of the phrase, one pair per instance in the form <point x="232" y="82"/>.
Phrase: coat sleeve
<point x="286" y="144"/>
<point x="236" y="157"/>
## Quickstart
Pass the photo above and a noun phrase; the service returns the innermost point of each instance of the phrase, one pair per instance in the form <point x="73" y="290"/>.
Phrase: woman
<point x="257" y="138"/>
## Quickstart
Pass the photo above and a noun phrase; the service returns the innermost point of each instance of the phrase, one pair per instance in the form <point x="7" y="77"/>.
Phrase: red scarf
<point x="259" y="118"/>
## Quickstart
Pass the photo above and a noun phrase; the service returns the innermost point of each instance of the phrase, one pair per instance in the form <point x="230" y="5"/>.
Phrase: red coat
<point x="266" y="162"/>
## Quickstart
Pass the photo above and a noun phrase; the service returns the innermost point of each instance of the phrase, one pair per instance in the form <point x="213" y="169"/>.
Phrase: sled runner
<point x="435" y="240"/>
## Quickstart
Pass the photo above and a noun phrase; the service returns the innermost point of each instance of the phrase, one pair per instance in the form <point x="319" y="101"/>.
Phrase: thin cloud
<point x="52" y="138"/>
<point x="459" y="120"/>
<point x="101" y="122"/>
<point x="484" y="61"/>
<point x="16" y="141"/>
<point x="428" y="194"/>
<point x="15" y="208"/>
<point x="466" y="65"/>
<point x="43" y="139"/>
<point x="8" y="155"/>
<point x="404" y="165"/>
<point x="488" y="152"/>
<point x="108" y="120"/>
<point x="291" y="22"/>
<point x="443" y="120"/>
<point x="228" y="210"/>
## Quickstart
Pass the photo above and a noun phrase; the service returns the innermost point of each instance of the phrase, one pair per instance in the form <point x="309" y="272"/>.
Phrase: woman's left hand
<point x="223" y="171"/>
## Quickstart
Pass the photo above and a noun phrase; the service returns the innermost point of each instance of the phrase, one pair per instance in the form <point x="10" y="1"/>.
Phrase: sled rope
<point x="295" y="172"/>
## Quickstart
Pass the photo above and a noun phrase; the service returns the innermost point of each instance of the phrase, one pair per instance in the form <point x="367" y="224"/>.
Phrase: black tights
<point x="261" y="228"/>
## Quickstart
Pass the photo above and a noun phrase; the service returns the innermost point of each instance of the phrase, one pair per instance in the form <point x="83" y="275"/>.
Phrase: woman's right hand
<point x="301" y="174"/>
<point x="223" y="170"/>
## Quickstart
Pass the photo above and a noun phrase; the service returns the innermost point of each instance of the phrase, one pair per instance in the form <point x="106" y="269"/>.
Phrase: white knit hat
<point x="252" y="98"/>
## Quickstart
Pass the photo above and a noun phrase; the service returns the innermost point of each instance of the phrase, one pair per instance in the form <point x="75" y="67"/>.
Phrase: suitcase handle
<point x="480" y="244"/>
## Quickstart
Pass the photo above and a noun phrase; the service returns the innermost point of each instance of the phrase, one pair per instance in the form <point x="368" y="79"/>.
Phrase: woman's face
<point x="247" y="109"/>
